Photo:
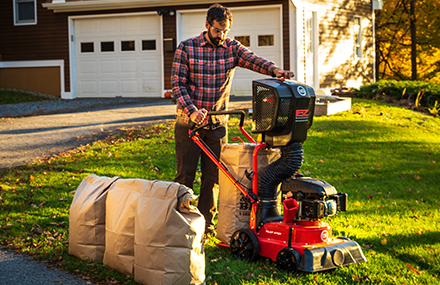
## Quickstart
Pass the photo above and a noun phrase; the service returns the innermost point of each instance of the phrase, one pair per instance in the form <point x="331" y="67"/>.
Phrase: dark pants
<point x="187" y="159"/>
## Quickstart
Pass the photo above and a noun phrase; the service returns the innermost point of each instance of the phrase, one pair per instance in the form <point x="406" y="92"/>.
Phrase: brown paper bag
<point x="168" y="237"/>
<point x="87" y="218"/>
<point x="234" y="207"/>
<point x="119" y="230"/>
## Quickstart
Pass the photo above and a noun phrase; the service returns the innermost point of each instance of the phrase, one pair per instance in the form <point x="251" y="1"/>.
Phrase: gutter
<point x="59" y="6"/>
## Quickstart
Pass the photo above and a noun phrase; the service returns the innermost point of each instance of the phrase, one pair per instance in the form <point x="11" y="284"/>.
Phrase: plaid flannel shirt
<point x="202" y="75"/>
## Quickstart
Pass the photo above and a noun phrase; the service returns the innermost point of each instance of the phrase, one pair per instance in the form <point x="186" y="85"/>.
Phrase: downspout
<point x="377" y="5"/>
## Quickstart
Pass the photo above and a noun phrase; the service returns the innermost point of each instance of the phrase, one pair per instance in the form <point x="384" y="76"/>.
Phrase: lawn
<point x="14" y="97"/>
<point x="385" y="157"/>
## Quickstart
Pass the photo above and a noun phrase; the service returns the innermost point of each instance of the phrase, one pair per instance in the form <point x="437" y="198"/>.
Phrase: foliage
<point x="385" y="158"/>
<point x="393" y="38"/>
<point x="417" y="94"/>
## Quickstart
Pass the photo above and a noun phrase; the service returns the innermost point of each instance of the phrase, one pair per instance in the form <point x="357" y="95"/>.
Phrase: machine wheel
<point x="244" y="245"/>
<point x="288" y="259"/>
<point x="344" y="238"/>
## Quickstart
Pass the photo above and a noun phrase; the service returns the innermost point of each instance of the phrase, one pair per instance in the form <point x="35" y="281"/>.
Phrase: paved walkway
<point x="34" y="130"/>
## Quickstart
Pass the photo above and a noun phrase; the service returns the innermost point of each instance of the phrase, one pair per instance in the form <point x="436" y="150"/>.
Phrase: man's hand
<point x="198" y="116"/>
<point x="278" y="72"/>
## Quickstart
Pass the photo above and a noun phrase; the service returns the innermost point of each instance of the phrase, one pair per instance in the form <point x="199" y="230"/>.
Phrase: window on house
<point x="107" y="46"/>
<point x="244" y="40"/>
<point x="25" y="12"/>
<point x="87" y="47"/>
<point x="265" y="40"/>
<point x="357" y="36"/>
<point x="127" y="46"/>
<point x="149" y="45"/>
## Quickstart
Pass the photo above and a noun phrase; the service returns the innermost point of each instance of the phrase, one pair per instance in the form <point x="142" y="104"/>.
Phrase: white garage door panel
<point x="247" y="22"/>
<point x="126" y="73"/>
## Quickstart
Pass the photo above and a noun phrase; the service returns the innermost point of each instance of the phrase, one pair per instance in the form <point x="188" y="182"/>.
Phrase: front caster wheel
<point x="288" y="259"/>
<point x="244" y="245"/>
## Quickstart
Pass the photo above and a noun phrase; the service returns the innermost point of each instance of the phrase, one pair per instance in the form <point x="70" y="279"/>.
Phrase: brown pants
<point x="187" y="160"/>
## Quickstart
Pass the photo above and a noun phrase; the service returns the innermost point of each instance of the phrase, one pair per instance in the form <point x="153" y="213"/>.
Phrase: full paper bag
<point x="234" y="207"/>
<point x="119" y="230"/>
<point x="87" y="218"/>
<point x="168" y="237"/>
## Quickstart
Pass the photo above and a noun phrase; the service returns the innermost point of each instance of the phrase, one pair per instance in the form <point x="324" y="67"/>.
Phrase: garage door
<point x="258" y="29"/>
<point x="118" y="56"/>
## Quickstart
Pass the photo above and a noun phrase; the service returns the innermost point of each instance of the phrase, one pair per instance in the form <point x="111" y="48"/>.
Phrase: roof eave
<point x="59" y="6"/>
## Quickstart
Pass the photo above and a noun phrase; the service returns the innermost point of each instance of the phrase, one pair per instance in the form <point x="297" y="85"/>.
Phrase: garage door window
<point x="148" y="45"/>
<point x="87" y="47"/>
<point x="107" y="46"/>
<point x="244" y="40"/>
<point x="265" y="40"/>
<point x="127" y="46"/>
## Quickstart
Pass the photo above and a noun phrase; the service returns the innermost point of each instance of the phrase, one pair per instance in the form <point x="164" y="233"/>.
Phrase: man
<point x="202" y="73"/>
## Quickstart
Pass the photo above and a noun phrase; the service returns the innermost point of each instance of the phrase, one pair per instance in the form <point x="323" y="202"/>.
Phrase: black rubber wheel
<point x="244" y="245"/>
<point x="344" y="238"/>
<point x="288" y="259"/>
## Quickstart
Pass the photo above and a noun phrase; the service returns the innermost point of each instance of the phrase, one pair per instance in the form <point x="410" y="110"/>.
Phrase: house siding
<point x="339" y="67"/>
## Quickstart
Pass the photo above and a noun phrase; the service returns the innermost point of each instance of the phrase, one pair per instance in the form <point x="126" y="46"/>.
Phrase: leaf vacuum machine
<point x="297" y="239"/>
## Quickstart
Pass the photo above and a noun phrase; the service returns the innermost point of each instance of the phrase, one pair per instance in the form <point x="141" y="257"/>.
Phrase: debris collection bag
<point x="120" y="223"/>
<point x="234" y="207"/>
<point x="168" y="237"/>
<point x="87" y="218"/>
<point x="150" y="229"/>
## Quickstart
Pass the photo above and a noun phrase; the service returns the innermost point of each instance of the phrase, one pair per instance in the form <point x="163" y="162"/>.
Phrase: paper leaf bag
<point x="234" y="207"/>
<point x="119" y="234"/>
<point x="168" y="237"/>
<point x="87" y="218"/>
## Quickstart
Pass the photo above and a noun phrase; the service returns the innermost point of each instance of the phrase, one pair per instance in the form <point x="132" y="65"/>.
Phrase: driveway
<point x="24" y="139"/>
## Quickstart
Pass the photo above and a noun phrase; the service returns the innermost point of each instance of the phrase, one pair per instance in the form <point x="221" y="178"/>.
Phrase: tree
<point x="407" y="40"/>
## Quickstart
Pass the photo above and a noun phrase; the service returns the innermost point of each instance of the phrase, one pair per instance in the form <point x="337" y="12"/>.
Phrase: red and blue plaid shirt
<point x="202" y="75"/>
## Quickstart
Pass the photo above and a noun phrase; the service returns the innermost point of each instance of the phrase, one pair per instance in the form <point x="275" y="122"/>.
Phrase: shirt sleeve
<point x="179" y="80"/>
<point x="249" y="60"/>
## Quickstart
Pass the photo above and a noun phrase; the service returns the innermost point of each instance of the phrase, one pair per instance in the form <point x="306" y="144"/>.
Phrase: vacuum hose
<point x="269" y="178"/>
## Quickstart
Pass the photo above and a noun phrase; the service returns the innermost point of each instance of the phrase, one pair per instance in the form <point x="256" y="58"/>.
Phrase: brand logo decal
<point x="324" y="235"/>
<point x="301" y="90"/>
<point x="302" y="113"/>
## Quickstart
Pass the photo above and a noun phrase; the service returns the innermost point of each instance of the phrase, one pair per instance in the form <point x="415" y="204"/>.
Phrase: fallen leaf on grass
<point x="357" y="203"/>
<point x="413" y="269"/>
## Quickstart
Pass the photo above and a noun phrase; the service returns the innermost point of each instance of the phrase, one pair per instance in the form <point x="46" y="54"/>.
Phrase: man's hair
<point x="218" y="13"/>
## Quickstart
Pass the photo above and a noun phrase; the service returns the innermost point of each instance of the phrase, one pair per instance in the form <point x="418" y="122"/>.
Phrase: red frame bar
<point x="196" y="139"/>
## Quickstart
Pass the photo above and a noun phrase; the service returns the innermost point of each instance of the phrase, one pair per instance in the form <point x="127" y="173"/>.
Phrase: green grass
<point x="385" y="157"/>
<point x="14" y="97"/>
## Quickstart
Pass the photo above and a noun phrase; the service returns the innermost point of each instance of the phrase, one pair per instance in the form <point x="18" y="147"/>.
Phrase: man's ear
<point x="207" y="25"/>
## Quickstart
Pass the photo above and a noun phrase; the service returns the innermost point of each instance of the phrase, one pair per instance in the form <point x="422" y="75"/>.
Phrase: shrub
<point x="425" y="94"/>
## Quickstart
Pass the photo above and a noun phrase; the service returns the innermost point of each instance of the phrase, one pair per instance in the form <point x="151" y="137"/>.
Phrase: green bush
<point x="426" y="93"/>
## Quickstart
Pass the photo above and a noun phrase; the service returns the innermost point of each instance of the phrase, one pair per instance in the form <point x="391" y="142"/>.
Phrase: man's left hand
<point x="278" y="72"/>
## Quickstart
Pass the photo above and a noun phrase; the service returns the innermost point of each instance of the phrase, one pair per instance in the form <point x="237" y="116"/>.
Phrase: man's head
<point x="218" y="23"/>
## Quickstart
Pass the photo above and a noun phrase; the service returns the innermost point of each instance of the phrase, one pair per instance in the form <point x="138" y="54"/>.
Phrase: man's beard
<point x="215" y="41"/>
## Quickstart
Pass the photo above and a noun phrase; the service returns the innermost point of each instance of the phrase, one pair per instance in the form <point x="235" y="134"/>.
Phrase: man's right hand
<point x="198" y="116"/>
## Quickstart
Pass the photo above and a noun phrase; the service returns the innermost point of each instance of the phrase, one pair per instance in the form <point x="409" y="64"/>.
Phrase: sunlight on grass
<point x="386" y="158"/>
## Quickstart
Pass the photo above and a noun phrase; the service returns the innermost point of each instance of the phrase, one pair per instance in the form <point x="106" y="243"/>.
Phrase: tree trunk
<point x="413" y="40"/>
